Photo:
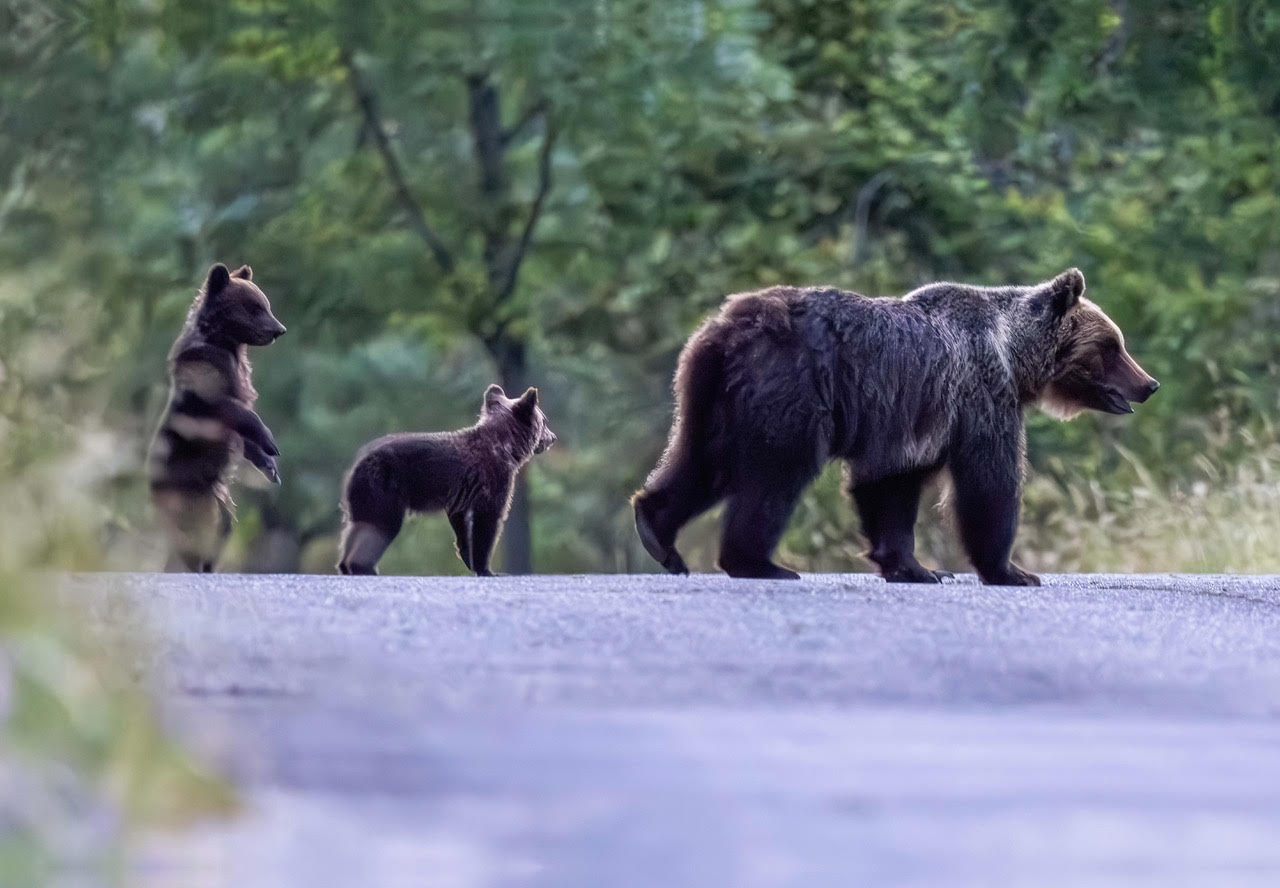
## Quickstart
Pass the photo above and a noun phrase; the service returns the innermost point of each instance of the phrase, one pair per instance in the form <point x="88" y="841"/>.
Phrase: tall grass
<point x="83" y="760"/>
<point x="1225" y="518"/>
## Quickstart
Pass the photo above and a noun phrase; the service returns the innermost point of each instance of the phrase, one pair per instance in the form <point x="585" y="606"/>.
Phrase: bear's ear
<point x="527" y="402"/>
<point x="244" y="272"/>
<point x="1063" y="293"/>
<point x="218" y="279"/>
<point x="493" y="396"/>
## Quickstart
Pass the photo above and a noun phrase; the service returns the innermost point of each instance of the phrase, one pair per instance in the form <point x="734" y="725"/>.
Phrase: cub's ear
<point x="527" y="402"/>
<point x="1063" y="293"/>
<point x="244" y="272"/>
<point x="493" y="395"/>
<point x="218" y="279"/>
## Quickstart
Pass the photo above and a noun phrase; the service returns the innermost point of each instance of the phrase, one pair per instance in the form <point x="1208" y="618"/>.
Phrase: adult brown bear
<point x="785" y="379"/>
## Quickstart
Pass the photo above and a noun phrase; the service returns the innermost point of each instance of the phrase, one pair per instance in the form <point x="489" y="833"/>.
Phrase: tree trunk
<point x="517" y="536"/>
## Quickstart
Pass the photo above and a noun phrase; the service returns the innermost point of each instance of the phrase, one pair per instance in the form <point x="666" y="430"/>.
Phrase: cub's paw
<point x="270" y="470"/>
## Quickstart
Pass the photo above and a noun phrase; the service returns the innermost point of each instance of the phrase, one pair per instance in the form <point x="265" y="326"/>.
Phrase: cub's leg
<point x="373" y="516"/>
<point x="461" y="524"/>
<point x="224" y="520"/>
<point x="362" y="546"/>
<point x="987" y="475"/>
<point x="754" y="520"/>
<point x="197" y="526"/>
<point x="888" y="509"/>
<point x="486" y="524"/>
<point x="675" y="495"/>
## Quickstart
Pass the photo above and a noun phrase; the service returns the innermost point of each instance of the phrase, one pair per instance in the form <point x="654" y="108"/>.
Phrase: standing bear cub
<point x="469" y="474"/>
<point x="210" y="419"/>
<point x="785" y="379"/>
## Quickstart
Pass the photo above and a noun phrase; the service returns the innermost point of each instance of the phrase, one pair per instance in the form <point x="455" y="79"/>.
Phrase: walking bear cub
<point x="469" y="474"/>
<point x="210" y="418"/>
<point x="785" y="379"/>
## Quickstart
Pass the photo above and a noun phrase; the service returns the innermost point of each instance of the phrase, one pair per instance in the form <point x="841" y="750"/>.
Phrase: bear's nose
<point x="1152" y="387"/>
<point x="283" y="330"/>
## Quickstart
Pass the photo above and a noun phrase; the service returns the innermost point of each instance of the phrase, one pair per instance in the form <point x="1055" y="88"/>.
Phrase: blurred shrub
<point x="83" y="761"/>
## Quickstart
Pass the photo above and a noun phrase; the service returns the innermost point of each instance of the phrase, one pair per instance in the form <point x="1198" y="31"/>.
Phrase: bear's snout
<point x="1139" y="391"/>
<point x="1152" y="386"/>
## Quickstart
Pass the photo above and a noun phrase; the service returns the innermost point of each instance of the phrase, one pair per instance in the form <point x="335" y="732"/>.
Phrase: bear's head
<point x="1091" y="369"/>
<point x="525" y="412"/>
<point x="233" y="310"/>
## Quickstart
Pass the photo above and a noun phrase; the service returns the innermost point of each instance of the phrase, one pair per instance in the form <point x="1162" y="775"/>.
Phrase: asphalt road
<point x="607" y="731"/>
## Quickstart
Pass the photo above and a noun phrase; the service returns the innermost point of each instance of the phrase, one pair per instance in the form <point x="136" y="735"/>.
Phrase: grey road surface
<point x="605" y="732"/>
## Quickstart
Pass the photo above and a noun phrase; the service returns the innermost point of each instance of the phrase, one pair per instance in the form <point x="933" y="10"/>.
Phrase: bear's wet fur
<point x="469" y="474"/>
<point x="209" y="419"/>
<point x="783" y="380"/>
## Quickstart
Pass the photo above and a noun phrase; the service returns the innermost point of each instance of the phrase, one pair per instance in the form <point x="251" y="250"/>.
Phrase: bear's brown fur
<point x="469" y="474"/>
<point x="785" y="379"/>
<point x="210" y="419"/>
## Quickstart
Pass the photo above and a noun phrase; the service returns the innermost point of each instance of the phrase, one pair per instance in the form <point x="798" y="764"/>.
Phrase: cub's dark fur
<point x="210" y="418"/>
<point x="469" y="474"/>
<point x="785" y="379"/>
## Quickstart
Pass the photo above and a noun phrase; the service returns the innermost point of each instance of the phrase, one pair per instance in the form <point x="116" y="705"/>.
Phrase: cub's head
<point x="233" y="309"/>
<point x="1090" y="368"/>
<point x="524" y="410"/>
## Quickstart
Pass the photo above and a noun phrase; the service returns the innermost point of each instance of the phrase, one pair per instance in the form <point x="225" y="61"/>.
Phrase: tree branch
<point x="367" y="103"/>
<point x="1115" y="44"/>
<point x="535" y="211"/>
<point x="512" y="133"/>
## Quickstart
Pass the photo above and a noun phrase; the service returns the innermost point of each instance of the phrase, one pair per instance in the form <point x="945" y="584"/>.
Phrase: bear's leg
<point x="754" y="520"/>
<point x="222" y="535"/>
<point x="987" y="477"/>
<point x="461" y="524"/>
<point x="888" y="509"/>
<point x="486" y="524"/>
<point x="184" y="561"/>
<point x="362" y="546"/>
<point x="197" y="525"/>
<point x="679" y="494"/>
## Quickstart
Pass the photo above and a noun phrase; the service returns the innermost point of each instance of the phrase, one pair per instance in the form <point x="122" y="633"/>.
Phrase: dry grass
<point x="1225" y="521"/>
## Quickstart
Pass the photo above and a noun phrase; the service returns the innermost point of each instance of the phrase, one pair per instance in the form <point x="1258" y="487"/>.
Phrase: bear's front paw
<point x="270" y="469"/>
<point x="1011" y="575"/>
<point x="911" y="573"/>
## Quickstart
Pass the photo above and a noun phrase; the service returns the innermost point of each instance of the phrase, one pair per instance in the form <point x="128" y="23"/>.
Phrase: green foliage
<point x="673" y="152"/>
<point x="83" y="761"/>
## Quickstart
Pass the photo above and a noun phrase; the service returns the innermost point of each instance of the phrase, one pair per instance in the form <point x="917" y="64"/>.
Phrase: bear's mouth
<point x="1114" y="402"/>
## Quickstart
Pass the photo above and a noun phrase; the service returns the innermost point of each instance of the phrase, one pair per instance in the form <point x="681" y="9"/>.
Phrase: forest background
<point x="439" y="195"/>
